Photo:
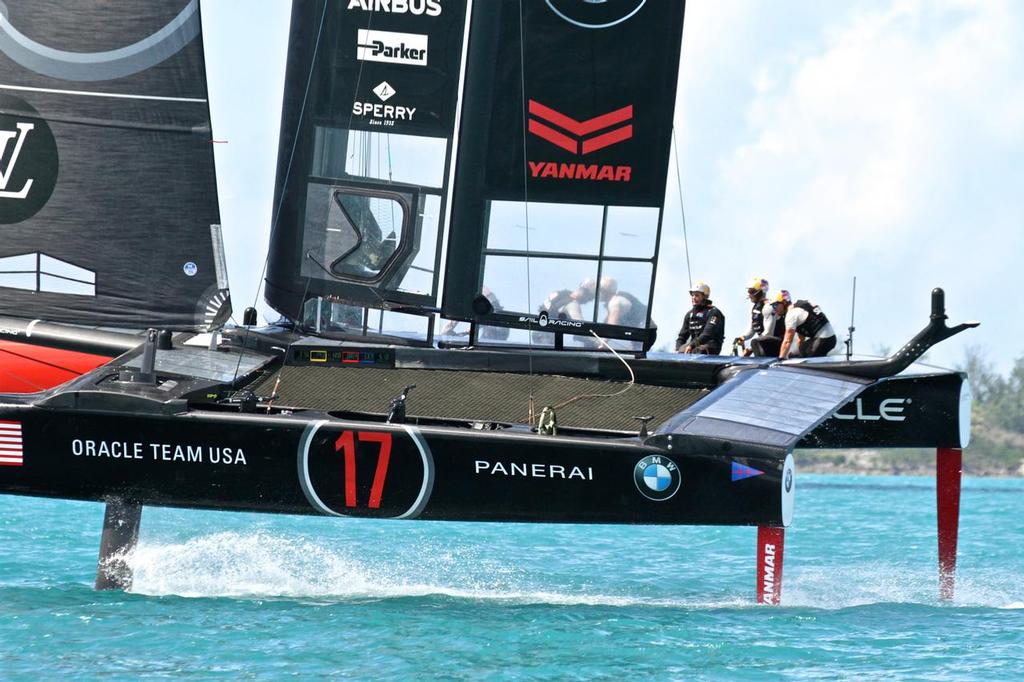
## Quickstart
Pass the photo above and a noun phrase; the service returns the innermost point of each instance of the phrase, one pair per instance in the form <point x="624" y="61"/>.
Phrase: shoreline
<point x="917" y="462"/>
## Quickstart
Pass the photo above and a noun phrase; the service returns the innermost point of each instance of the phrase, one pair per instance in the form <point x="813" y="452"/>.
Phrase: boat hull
<point x="28" y="368"/>
<point x="303" y="465"/>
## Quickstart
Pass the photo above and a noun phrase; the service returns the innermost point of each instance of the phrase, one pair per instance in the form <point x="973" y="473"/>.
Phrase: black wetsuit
<point x="810" y="345"/>
<point x="768" y="341"/>
<point x="703" y="329"/>
<point x="637" y="314"/>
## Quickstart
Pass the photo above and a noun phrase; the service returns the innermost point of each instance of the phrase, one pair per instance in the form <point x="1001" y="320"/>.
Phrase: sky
<point x="817" y="142"/>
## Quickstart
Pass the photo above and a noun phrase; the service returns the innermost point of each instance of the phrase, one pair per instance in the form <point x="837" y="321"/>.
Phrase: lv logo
<point x="5" y="174"/>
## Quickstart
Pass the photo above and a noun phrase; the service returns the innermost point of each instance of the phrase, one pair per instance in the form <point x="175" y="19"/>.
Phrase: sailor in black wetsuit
<point x="805" y="321"/>
<point x="766" y="328"/>
<point x="703" y="327"/>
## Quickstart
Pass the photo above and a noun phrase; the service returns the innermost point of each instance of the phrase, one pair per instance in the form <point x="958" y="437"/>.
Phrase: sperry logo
<point x="431" y="8"/>
<point x="580" y="138"/>
<point x="384" y="91"/>
<point x="391" y="47"/>
<point x="383" y="114"/>
<point x="19" y="135"/>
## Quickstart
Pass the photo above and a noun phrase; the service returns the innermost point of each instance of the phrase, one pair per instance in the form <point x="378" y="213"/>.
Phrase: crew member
<point x="766" y="328"/>
<point x="623" y="308"/>
<point x="703" y="329"/>
<point x="567" y="304"/>
<point x="806" y="322"/>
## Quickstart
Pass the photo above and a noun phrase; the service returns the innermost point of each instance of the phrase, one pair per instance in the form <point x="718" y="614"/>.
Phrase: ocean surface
<point x="220" y="595"/>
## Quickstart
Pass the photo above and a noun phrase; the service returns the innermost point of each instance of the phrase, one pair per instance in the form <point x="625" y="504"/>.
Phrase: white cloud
<point x="875" y="147"/>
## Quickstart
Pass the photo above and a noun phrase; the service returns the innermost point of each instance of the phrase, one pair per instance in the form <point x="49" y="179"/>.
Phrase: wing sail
<point x="108" y="199"/>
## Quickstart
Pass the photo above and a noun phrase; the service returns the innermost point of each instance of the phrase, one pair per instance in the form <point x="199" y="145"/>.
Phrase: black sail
<point x="108" y="199"/>
<point x="561" y="166"/>
<point x="366" y="136"/>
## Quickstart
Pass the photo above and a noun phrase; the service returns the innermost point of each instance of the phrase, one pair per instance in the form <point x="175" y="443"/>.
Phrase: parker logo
<point x="889" y="410"/>
<point x="595" y="13"/>
<point x="580" y="138"/>
<point x="28" y="161"/>
<point x="431" y="8"/>
<point x="391" y="47"/>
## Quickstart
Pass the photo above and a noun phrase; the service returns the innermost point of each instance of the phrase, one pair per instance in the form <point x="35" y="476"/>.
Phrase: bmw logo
<point x="190" y="269"/>
<point x="657" y="477"/>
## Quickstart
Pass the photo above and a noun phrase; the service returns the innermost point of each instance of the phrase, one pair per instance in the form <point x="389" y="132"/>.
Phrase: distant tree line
<point x="997" y="431"/>
<point x="998" y="400"/>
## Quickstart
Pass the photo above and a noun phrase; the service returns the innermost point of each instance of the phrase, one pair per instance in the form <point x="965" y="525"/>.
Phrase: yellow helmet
<point x="758" y="284"/>
<point x="701" y="288"/>
<point x="782" y="297"/>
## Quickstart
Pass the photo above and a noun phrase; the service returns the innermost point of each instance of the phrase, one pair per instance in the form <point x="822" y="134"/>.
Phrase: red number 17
<point x="346" y="445"/>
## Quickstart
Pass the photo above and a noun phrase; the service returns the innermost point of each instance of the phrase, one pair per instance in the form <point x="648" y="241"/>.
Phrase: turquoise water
<point x="252" y="596"/>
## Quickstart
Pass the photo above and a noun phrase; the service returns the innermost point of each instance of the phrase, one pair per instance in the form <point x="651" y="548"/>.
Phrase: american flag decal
<point x="10" y="444"/>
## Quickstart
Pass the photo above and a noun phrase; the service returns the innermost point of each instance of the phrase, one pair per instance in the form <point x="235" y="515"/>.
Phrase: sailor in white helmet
<point x="703" y="327"/>
<point x="806" y="322"/>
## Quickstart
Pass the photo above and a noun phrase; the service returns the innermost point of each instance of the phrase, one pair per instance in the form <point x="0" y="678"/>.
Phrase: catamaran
<point x="446" y="172"/>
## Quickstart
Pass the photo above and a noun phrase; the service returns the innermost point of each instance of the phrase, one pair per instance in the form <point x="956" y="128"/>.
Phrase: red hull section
<point x="949" y="468"/>
<point x="25" y="368"/>
<point x="770" y="543"/>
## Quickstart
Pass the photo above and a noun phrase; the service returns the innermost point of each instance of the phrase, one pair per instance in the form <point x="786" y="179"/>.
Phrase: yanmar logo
<point x="431" y="8"/>
<point x="580" y="138"/>
<point x="391" y="47"/>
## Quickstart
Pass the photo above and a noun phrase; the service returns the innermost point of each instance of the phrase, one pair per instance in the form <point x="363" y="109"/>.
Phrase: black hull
<point x="303" y="465"/>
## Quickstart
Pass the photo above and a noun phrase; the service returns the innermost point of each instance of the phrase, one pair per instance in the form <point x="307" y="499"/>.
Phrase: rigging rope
<point x="585" y="396"/>
<point x="526" y="204"/>
<point x="682" y="209"/>
<point x="287" y="175"/>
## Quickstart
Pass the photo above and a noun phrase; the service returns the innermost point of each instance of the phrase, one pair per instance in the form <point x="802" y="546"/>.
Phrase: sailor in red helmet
<point x="703" y="329"/>
<point x="806" y="322"/>
<point x="766" y="328"/>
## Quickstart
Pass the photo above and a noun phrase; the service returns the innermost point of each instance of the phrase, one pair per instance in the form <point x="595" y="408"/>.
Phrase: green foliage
<point x="997" y="429"/>
<point x="998" y="400"/>
<point x="997" y="432"/>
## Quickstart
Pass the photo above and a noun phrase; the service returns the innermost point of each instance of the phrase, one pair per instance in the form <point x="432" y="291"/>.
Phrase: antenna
<point x="851" y="328"/>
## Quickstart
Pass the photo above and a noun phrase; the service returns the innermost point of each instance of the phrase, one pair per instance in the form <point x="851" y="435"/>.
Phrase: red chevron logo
<point x="579" y="136"/>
